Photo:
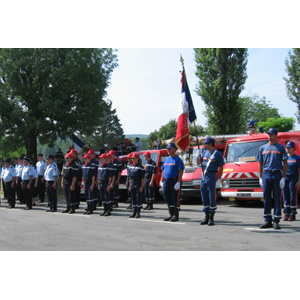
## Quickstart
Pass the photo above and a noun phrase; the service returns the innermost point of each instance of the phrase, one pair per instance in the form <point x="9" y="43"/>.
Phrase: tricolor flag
<point x="187" y="115"/>
<point x="77" y="143"/>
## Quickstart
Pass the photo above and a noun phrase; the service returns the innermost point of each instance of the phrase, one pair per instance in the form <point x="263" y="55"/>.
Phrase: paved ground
<point x="237" y="228"/>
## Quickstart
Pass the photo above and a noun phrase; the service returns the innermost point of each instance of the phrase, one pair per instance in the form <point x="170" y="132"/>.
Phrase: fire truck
<point x="240" y="179"/>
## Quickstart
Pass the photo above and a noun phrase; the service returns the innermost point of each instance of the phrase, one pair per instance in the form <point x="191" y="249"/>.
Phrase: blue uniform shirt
<point x="272" y="156"/>
<point x="136" y="173"/>
<point x="293" y="165"/>
<point x="88" y="171"/>
<point x="27" y="171"/>
<point x="18" y="169"/>
<point x="51" y="172"/>
<point x="171" y="166"/>
<point x="216" y="162"/>
<point x="41" y="168"/>
<point x="8" y="174"/>
<point x="105" y="171"/>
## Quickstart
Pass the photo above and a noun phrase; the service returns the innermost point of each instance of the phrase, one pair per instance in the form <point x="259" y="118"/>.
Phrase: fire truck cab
<point x="240" y="179"/>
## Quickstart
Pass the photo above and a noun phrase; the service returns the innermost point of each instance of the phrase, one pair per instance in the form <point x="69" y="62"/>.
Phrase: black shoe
<point x="72" y="211"/>
<point x="66" y="211"/>
<point x="286" y="217"/>
<point x="266" y="225"/>
<point x="171" y="212"/>
<point x="108" y="213"/>
<point x="150" y="207"/>
<point x="133" y="214"/>
<point x="138" y="214"/>
<point x="276" y="226"/>
<point x="205" y="221"/>
<point x="89" y="212"/>
<point x="129" y="207"/>
<point x="211" y="220"/>
<point x="175" y="217"/>
<point x="48" y="210"/>
<point x="147" y="206"/>
<point x="292" y="217"/>
<point x="115" y="205"/>
<point x="53" y="210"/>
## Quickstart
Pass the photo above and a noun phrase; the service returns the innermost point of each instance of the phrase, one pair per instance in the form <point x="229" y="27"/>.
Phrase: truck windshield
<point x="189" y="157"/>
<point x="243" y="152"/>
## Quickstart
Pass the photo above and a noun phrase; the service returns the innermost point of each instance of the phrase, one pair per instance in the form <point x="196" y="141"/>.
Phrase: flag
<point x="77" y="143"/>
<point x="187" y="115"/>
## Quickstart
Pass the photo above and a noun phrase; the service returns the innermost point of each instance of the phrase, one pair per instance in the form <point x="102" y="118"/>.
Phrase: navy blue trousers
<point x="289" y="194"/>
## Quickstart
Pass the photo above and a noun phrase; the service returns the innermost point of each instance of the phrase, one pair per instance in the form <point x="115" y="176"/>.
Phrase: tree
<point x="281" y="124"/>
<point x="50" y="93"/>
<point x="108" y="130"/>
<point x="293" y="80"/>
<point x="222" y="75"/>
<point x="257" y="109"/>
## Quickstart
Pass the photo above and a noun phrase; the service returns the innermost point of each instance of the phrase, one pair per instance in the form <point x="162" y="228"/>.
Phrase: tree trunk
<point x="31" y="148"/>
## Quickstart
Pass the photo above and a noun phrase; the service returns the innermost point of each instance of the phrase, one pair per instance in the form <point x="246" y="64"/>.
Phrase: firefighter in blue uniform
<point x="105" y="182"/>
<point x="89" y="176"/>
<point x="9" y="179"/>
<point x="272" y="159"/>
<point x="172" y="171"/>
<point x="150" y="173"/>
<point x="129" y="157"/>
<point x="95" y="163"/>
<point x="79" y="177"/>
<point x="51" y="176"/>
<point x="291" y="183"/>
<point x="68" y="183"/>
<point x="118" y="169"/>
<point x="27" y="177"/>
<point x="212" y="162"/>
<point x="136" y="184"/>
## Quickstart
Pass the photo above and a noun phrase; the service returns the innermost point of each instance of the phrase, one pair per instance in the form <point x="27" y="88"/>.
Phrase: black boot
<point x="129" y="207"/>
<point x="133" y="214"/>
<point x="175" y="218"/>
<point x="171" y="212"/>
<point x="266" y="225"/>
<point x="206" y="218"/>
<point x="105" y="210"/>
<point x="211" y="220"/>
<point x="90" y="209"/>
<point x="150" y="207"/>
<point x="66" y="210"/>
<point x="286" y="217"/>
<point x="147" y="206"/>
<point x="138" y="214"/>
<point x="72" y="210"/>
<point x="108" y="211"/>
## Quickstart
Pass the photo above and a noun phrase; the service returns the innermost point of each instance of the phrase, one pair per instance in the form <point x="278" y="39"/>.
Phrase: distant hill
<point x="133" y="136"/>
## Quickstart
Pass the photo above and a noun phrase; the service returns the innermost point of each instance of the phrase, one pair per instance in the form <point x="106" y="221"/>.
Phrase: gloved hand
<point x="161" y="183"/>
<point x="198" y="153"/>
<point x="282" y="183"/>
<point x="177" y="186"/>
<point x="261" y="182"/>
<point x="218" y="184"/>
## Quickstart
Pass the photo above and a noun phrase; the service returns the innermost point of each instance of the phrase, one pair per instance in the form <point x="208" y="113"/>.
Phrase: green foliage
<point x="281" y="124"/>
<point x="222" y="75"/>
<point x="293" y="80"/>
<point x="257" y="109"/>
<point x="46" y="93"/>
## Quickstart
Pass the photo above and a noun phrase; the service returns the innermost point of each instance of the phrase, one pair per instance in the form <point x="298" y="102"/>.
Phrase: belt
<point x="171" y="178"/>
<point x="271" y="171"/>
<point x="211" y="171"/>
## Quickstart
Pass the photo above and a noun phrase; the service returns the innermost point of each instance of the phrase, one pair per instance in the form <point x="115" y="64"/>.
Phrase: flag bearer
<point x="9" y="179"/>
<point x="51" y="176"/>
<point x="291" y="183"/>
<point x="136" y="184"/>
<point x="89" y="177"/>
<point x="212" y="162"/>
<point x="105" y="182"/>
<point x="27" y="177"/>
<point x="68" y="182"/>
<point x="149" y="180"/>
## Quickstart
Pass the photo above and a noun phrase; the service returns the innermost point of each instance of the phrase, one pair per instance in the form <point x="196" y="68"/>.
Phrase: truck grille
<point x="244" y="183"/>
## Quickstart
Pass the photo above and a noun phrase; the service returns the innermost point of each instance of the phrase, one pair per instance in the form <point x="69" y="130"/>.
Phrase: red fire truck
<point x="240" y="179"/>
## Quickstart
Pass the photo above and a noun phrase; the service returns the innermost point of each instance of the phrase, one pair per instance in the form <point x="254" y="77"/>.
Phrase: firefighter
<point x="118" y="169"/>
<point x="105" y="181"/>
<point x="149" y="180"/>
<point x="51" y="176"/>
<point x="9" y="179"/>
<point x="95" y="163"/>
<point x="212" y="162"/>
<point x="79" y="177"/>
<point x="172" y="172"/>
<point x="129" y="157"/>
<point x="89" y="177"/>
<point x="291" y="183"/>
<point x="68" y="182"/>
<point x="41" y="168"/>
<point x="272" y="159"/>
<point x="27" y="177"/>
<point x="18" y="170"/>
<point x="136" y="184"/>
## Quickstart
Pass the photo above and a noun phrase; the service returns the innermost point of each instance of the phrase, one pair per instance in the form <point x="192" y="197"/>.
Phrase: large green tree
<point x="222" y="75"/>
<point x="281" y="124"/>
<point x="257" y="109"/>
<point x="46" y="93"/>
<point x="293" y="80"/>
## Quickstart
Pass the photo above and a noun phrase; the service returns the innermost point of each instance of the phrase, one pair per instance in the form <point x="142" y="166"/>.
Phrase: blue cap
<point x="209" y="140"/>
<point x="171" y="145"/>
<point x="272" y="131"/>
<point x="290" y="144"/>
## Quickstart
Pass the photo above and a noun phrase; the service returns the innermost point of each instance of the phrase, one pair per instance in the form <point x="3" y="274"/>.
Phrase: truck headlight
<point x="196" y="182"/>
<point x="225" y="184"/>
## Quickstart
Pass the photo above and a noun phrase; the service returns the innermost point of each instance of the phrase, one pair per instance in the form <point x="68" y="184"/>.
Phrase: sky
<point x="145" y="87"/>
